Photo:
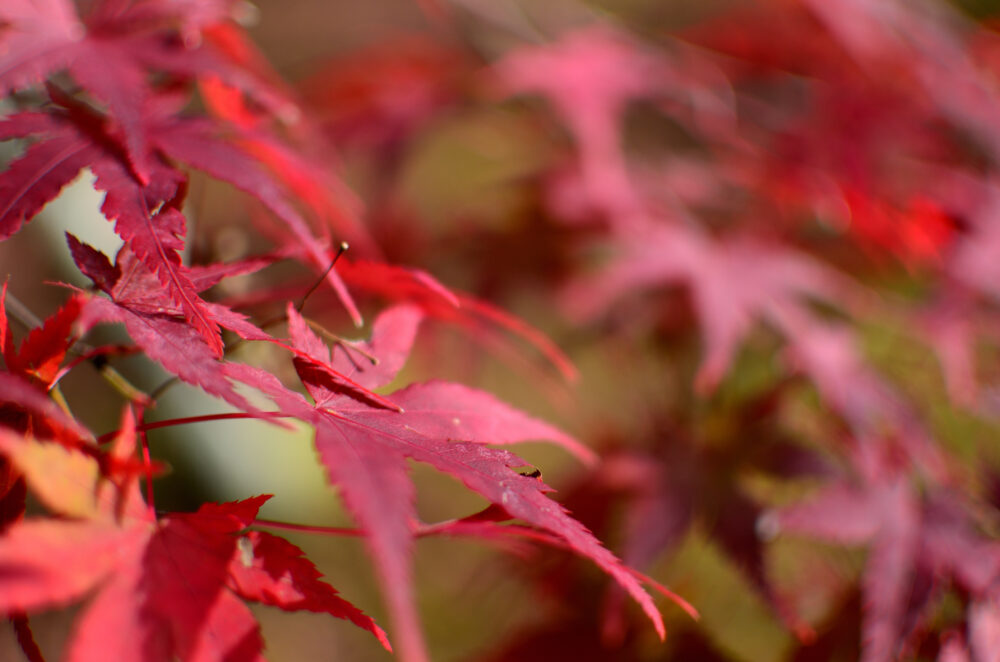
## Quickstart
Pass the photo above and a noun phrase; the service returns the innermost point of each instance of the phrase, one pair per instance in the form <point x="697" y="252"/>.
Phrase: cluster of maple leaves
<point x="108" y="87"/>
<point x="764" y="190"/>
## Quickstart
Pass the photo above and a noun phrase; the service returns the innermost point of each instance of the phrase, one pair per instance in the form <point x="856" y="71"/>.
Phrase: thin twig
<point x="340" y="251"/>
<point x="171" y="422"/>
<point x="307" y="528"/>
<point x="162" y="388"/>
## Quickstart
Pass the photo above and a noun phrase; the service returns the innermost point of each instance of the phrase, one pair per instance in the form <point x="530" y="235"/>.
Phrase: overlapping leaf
<point x="154" y="324"/>
<point x="111" y="52"/>
<point x="164" y="590"/>
<point x="732" y="285"/>
<point x="365" y="446"/>
<point x="145" y="216"/>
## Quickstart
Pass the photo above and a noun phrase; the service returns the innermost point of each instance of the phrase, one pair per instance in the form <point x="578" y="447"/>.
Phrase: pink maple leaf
<point x="912" y="542"/>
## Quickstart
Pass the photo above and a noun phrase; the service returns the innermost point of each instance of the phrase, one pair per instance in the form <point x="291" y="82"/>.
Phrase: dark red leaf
<point x="36" y="178"/>
<point x="94" y="264"/>
<point x="156" y="237"/>
<point x="273" y="571"/>
<point x="144" y="216"/>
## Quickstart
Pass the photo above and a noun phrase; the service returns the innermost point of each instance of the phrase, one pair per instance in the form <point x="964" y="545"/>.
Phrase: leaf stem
<point x="25" y="638"/>
<point x="56" y="393"/>
<point x="340" y="251"/>
<point x="123" y="386"/>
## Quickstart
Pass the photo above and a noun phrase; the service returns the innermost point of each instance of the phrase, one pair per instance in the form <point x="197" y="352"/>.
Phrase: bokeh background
<point x="745" y="120"/>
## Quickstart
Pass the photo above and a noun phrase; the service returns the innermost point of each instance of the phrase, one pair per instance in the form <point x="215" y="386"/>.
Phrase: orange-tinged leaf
<point x="64" y="480"/>
<point x="162" y="588"/>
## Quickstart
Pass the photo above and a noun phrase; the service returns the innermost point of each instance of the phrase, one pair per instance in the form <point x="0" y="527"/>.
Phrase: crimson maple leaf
<point x="364" y="446"/>
<point x="147" y="217"/>
<point x="166" y="588"/>
<point x="154" y="324"/>
<point x="43" y="350"/>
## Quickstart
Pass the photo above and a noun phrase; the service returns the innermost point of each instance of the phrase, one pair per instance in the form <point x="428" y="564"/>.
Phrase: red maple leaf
<point x="147" y="217"/>
<point x="202" y="144"/>
<point x="166" y="588"/>
<point x="365" y="445"/>
<point x="43" y="350"/>
<point x="155" y="325"/>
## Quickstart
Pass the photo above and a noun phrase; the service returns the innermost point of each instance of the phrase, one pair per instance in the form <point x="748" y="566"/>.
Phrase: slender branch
<point x="308" y="528"/>
<point x="157" y="392"/>
<point x="171" y="422"/>
<point x="21" y="312"/>
<point x="56" y="394"/>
